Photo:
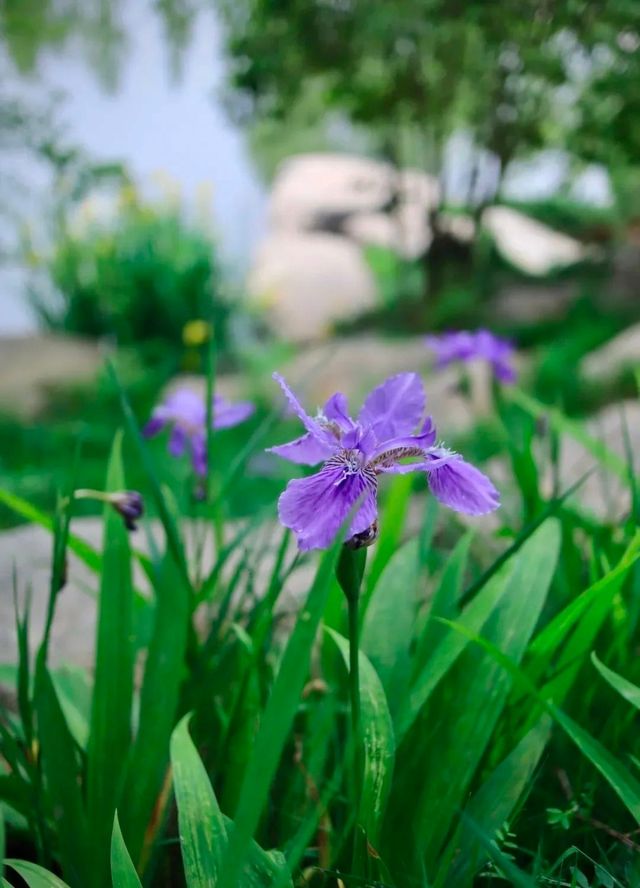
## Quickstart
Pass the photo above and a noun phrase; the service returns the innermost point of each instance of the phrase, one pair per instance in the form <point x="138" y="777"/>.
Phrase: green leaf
<point x="78" y="546"/>
<point x="74" y="691"/>
<point x="619" y="778"/>
<point x="494" y="803"/>
<point x="476" y="691"/>
<point x="148" y="761"/>
<point x="379" y="744"/>
<point x="35" y="876"/>
<point x="174" y="543"/>
<point x="203" y="837"/>
<point x="2" y="839"/>
<point x="443" y="658"/>
<point x="574" y="649"/>
<point x="625" y="688"/>
<point x="123" y="872"/>
<point x="277" y="718"/>
<point x="110" y="729"/>
<point x="615" y="773"/>
<point x="62" y="772"/>
<point x="387" y="631"/>
<point x="446" y="597"/>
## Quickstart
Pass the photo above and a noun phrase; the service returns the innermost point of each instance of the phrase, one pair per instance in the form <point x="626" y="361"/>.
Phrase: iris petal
<point x="461" y="486"/>
<point x="395" y="407"/>
<point x="315" y="507"/>
<point x="311" y="425"/>
<point x="304" y="451"/>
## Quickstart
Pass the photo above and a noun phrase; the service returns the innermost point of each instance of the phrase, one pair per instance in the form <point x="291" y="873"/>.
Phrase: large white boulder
<point x="306" y="281"/>
<point x="529" y="245"/>
<point x="311" y="191"/>
<point x="310" y="188"/>
<point x="406" y="230"/>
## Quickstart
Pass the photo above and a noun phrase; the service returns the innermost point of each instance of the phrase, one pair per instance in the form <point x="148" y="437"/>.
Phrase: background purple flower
<point x="468" y="345"/>
<point x="356" y="451"/>
<point x="185" y="412"/>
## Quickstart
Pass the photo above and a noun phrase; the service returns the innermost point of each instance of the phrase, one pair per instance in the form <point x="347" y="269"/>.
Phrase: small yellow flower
<point x="196" y="332"/>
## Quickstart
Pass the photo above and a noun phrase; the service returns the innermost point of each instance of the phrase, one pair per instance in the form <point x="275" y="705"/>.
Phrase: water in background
<point x="152" y="122"/>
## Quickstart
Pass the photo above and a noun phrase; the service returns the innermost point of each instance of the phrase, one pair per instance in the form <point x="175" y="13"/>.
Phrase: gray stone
<point x="529" y="245"/>
<point x="306" y="282"/>
<point x="604" y="494"/>
<point x="609" y="361"/>
<point x="32" y="366"/>
<point x="312" y="190"/>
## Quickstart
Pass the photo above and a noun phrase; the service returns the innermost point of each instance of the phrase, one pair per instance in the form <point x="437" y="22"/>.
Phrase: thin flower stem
<point x="349" y="572"/>
<point x="354" y="693"/>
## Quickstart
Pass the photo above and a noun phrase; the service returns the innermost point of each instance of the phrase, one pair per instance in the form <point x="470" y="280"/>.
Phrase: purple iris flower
<point x="469" y="345"/>
<point x="355" y="451"/>
<point x="186" y="412"/>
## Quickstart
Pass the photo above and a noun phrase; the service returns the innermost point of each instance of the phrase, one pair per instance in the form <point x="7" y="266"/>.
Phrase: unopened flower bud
<point x="129" y="504"/>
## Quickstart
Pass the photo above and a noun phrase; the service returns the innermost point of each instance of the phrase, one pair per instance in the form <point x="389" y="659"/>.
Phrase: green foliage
<point x="232" y="735"/>
<point x="138" y="278"/>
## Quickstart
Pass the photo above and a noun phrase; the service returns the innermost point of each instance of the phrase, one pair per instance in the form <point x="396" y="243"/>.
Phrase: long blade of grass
<point x="110" y="729"/>
<point x="624" y="784"/>
<point x="62" y="772"/>
<point x="388" y="628"/>
<point x="78" y="546"/>
<point x="625" y="688"/>
<point x="123" y="872"/>
<point x="552" y="508"/>
<point x="35" y="876"/>
<point x="445" y="599"/>
<point x="159" y="697"/>
<point x="277" y="719"/>
<point x="442" y="659"/>
<point x="203" y="836"/>
<point x="170" y="528"/>
<point x="476" y="691"/>
<point x="563" y="425"/>
<point x="494" y="803"/>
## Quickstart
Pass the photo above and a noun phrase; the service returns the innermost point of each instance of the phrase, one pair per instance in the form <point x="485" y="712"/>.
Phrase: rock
<point x="603" y="494"/>
<point x="531" y="246"/>
<point x="417" y="188"/>
<point x="458" y="225"/>
<point x="609" y="361"/>
<point x="311" y="190"/>
<point x="320" y="191"/>
<point x="305" y="282"/>
<point x="32" y="366"/>
<point x="406" y="230"/>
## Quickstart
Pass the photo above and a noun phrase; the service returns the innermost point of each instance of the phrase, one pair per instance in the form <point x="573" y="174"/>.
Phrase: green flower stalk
<point x="349" y="572"/>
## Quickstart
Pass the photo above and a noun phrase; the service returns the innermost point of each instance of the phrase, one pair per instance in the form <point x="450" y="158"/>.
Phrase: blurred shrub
<point x="141" y="274"/>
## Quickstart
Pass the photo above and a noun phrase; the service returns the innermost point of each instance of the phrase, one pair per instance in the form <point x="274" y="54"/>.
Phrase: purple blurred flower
<point x="185" y="412"/>
<point x="355" y="452"/>
<point x="468" y="345"/>
<point x="129" y="504"/>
